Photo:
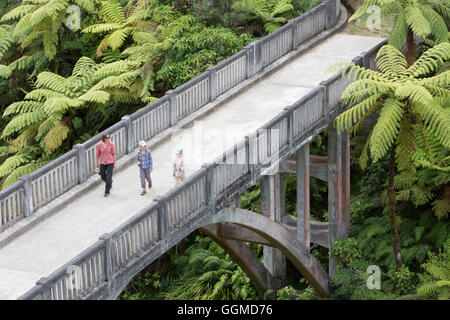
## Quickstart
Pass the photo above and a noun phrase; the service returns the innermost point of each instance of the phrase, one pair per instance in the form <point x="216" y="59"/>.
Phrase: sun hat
<point x="142" y="143"/>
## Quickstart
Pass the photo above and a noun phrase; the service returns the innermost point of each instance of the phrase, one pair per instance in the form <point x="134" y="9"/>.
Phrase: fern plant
<point x="208" y="273"/>
<point x="271" y="14"/>
<point x="436" y="283"/>
<point x="425" y="18"/>
<point x="42" y="21"/>
<point x="42" y="121"/>
<point x="121" y="23"/>
<point x="132" y="21"/>
<point x="408" y="100"/>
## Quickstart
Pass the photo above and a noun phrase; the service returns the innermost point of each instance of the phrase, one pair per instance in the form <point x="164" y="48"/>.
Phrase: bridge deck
<point x="53" y="242"/>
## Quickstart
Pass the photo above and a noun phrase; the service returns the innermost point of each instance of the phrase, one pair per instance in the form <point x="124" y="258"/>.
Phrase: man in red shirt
<point x="106" y="154"/>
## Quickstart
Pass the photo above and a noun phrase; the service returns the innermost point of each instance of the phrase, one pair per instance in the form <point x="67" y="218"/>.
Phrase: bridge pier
<point x="338" y="189"/>
<point x="272" y="206"/>
<point x="303" y="207"/>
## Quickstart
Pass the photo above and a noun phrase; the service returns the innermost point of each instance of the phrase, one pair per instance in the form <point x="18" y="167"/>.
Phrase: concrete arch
<point x="275" y="233"/>
<point x="280" y="237"/>
<point x="246" y="259"/>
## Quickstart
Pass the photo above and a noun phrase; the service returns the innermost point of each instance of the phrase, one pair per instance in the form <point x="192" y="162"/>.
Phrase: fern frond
<point x="436" y="119"/>
<point x="17" y="12"/>
<point x="416" y="21"/>
<point x="406" y="145"/>
<point x="399" y="31"/>
<point x="113" y="12"/>
<point x="18" y="172"/>
<point x="385" y="131"/>
<point x="391" y="61"/>
<point x="26" y="62"/>
<point x="431" y="60"/>
<point x="103" y="27"/>
<point x="60" y="105"/>
<point x="87" y="5"/>
<point x="54" y="138"/>
<point x="5" y="72"/>
<point x="441" y="208"/>
<point x="22" y="121"/>
<point x="23" y="107"/>
<point x="95" y="96"/>
<point x="437" y="23"/>
<point x="49" y="80"/>
<point x="117" y="38"/>
<point x="23" y="26"/>
<point x="12" y="163"/>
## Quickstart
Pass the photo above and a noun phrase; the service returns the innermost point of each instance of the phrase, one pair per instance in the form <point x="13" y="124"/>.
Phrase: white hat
<point x="142" y="143"/>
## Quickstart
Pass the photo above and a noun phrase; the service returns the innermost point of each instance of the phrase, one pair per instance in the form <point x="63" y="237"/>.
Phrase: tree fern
<point x="424" y="18"/>
<point x="42" y="20"/>
<point x="437" y="283"/>
<point x="399" y="93"/>
<point x="272" y="14"/>
<point x="50" y="108"/>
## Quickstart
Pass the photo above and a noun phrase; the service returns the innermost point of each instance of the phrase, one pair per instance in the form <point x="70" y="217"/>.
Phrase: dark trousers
<point x="106" y="171"/>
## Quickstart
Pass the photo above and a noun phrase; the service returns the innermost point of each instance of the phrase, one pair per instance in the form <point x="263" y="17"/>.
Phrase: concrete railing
<point x="106" y="265"/>
<point x="42" y="186"/>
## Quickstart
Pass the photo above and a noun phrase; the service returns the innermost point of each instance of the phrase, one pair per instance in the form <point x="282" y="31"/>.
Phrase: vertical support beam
<point x="107" y="238"/>
<point x="172" y="107"/>
<point x="272" y="206"/>
<point x="27" y="194"/>
<point x="209" y="192"/>
<point x="212" y="83"/>
<point x="250" y="54"/>
<point x="236" y="203"/>
<point x="334" y="189"/>
<point x="303" y="207"/>
<point x="294" y="43"/>
<point x="129" y="134"/>
<point x="162" y="220"/>
<point x="345" y="223"/>
<point x="44" y="283"/>
<point x="257" y="66"/>
<point x="82" y="166"/>
<point x="332" y="13"/>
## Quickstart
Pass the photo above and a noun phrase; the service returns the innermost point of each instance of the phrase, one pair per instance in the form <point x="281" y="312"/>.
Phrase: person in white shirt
<point x="178" y="167"/>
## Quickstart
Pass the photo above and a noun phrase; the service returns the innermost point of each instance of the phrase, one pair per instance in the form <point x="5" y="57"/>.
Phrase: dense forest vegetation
<point x="64" y="78"/>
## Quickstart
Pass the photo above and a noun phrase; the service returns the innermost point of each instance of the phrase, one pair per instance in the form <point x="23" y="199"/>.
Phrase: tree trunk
<point x="393" y="219"/>
<point x="411" y="50"/>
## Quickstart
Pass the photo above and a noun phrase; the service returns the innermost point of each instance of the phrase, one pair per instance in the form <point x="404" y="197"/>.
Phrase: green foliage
<point x="42" y="21"/>
<point x="425" y="18"/>
<point x="400" y="98"/>
<point x="272" y="14"/>
<point x="207" y="272"/>
<point x="345" y="251"/>
<point x="43" y="119"/>
<point x="435" y="283"/>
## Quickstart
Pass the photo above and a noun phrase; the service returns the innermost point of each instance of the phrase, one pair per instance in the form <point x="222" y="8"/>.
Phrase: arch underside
<point x="273" y="233"/>
<point x="278" y="236"/>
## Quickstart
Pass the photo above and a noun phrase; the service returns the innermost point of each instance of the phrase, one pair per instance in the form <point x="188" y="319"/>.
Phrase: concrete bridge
<point x="248" y="119"/>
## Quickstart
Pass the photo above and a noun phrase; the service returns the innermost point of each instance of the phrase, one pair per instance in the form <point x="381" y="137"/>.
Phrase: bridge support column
<point x="338" y="189"/>
<point x="272" y="206"/>
<point x="303" y="207"/>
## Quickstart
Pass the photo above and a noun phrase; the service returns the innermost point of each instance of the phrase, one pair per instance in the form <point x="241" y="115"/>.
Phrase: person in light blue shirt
<point x="145" y="164"/>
